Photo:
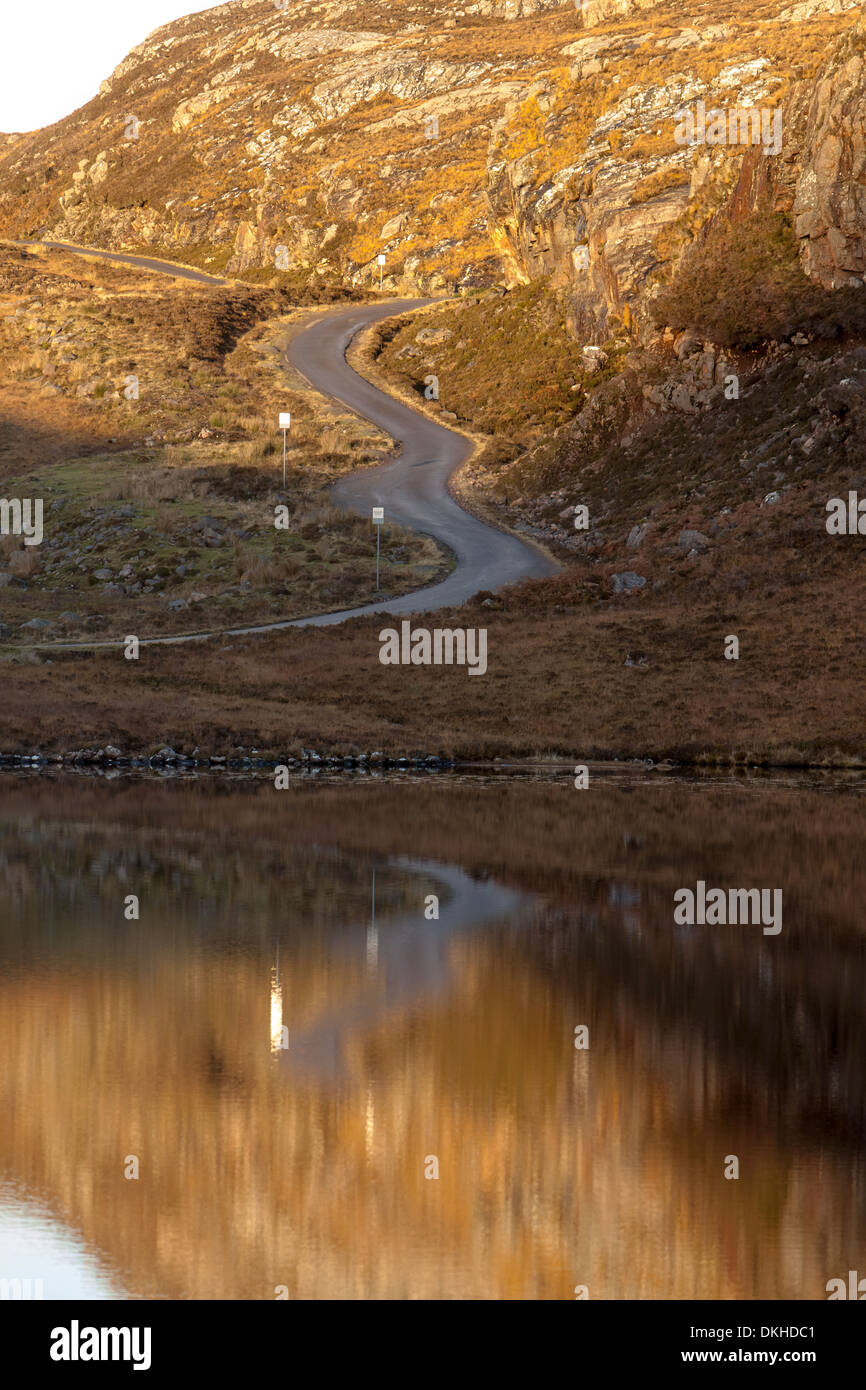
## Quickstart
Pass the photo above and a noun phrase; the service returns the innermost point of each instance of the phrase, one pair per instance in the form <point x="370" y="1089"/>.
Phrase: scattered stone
<point x="689" y="541"/>
<point x="627" y="582"/>
<point x="594" y="358"/>
<point x="394" y="226"/>
<point x="686" y="343"/>
<point x="432" y="336"/>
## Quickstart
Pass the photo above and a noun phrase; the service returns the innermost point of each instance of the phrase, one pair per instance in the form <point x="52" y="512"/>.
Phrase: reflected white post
<point x="276" y="1007"/>
<point x="372" y="933"/>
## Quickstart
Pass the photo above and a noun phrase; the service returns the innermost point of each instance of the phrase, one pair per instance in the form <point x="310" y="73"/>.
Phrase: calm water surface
<point x="289" y="1045"/>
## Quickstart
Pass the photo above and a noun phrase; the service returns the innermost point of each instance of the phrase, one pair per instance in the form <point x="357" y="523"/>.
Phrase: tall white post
<point x="378" y="520"/>
<point x="285" y="426"/>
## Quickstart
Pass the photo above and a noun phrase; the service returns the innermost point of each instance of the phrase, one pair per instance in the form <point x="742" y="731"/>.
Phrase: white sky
<point x="55" y="53"/>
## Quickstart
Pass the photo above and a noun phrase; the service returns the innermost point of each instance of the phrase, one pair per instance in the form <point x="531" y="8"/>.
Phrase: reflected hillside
<point x="411" y="1037"/>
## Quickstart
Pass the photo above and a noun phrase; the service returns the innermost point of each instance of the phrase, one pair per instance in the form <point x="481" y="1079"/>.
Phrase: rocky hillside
<point x="490" y="143"/>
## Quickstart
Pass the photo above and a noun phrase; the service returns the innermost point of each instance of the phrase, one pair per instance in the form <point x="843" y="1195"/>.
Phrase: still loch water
<point x="288" y="1045"/>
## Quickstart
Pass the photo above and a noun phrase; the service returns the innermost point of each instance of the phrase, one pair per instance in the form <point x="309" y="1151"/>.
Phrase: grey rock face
<point x="627" y="582"/>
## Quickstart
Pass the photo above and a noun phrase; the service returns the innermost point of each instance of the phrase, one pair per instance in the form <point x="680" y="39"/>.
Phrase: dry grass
<point x="556" y="680"/>
<point x="659" y="182"/>
<point x="742" y="285"/>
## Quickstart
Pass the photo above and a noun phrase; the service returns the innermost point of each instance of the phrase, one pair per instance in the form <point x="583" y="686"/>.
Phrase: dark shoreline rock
<point x="169" y="760"/>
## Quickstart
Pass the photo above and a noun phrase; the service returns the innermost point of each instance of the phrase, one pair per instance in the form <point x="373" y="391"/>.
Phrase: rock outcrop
<point x="504" y="141"/>
<point x="615" y="218"/>
<point x="830" y="198"/>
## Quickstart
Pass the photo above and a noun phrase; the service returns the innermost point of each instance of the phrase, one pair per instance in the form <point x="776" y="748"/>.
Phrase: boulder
<point x="627" y="582"/>
<point x="689" y="541"/>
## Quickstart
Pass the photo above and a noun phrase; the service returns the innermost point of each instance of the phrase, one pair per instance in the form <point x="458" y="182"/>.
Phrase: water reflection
<point x="285" y="1039"/>
<point x="279" y="1032"/>
<point x="408" y="958"/>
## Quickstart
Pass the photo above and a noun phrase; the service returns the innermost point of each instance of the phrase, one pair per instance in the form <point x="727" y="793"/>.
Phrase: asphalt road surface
<point x="180" y="272"/>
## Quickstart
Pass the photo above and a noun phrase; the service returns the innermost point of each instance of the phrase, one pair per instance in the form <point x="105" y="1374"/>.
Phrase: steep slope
<point x="495" y="142"/>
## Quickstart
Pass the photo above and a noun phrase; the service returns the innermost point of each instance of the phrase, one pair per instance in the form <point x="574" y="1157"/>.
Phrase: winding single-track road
<point x="413" y="489"/>
<point x="177" y="272"/>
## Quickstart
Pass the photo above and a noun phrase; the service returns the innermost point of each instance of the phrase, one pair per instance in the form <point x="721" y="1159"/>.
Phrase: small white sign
<point x="285" y="420"/>
<point x="381" y="258"/>
<point x="378" y="515"/>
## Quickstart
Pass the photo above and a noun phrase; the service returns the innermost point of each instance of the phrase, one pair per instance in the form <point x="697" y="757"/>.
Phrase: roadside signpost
<point x="381" y="260"/>
<point x="285" y="426"/>
<point x="378" y="522"/>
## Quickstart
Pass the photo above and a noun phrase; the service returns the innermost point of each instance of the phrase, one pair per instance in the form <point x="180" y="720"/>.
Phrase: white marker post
<point x="285" y="426"/>
<point x="378" y="522"/>
<point x="381" y="260"/>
